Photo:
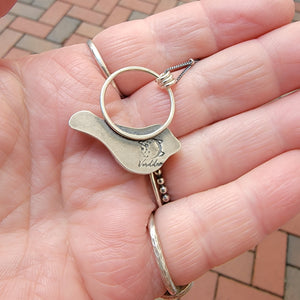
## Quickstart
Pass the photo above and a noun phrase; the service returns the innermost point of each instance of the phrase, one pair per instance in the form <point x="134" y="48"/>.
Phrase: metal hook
<point x="166" y="79"/>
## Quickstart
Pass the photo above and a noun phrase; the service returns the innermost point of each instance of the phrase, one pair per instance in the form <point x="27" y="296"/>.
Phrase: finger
<point x="232" y="81"/>
<point x="69" y="66"/>
<point x="198" y="29"/>
<point x="209" y="228"/>
<point x="227" y="150"/>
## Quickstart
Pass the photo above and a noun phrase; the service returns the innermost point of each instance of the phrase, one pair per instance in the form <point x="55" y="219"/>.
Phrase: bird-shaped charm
<point x="141" y="157"/>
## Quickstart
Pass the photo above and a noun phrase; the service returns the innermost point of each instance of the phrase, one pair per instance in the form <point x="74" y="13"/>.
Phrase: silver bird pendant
<point x="141" y="157"/>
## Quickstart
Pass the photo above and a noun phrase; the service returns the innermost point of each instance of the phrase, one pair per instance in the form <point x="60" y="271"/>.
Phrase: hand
<point x="74" y="223"/>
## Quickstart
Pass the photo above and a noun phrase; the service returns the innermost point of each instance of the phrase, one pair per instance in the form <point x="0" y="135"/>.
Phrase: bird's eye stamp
<point x="152" y="148"/>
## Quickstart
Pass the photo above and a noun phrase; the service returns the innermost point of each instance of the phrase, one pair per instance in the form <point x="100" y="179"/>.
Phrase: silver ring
<point x="102" y="64"/>
<point x="113" y="126"/>
<point x="173" y="291"/>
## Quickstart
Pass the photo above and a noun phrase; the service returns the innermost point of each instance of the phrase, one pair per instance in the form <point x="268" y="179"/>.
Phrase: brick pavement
<point x="270" y="271"/>
<point x="34" y="26"/>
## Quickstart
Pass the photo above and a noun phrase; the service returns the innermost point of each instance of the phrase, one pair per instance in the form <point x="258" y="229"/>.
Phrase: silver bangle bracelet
<point x="173" y="291"/>
<point x="102" y="64"/>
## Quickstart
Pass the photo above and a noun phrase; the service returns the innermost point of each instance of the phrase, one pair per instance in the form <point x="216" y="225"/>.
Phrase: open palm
<point x="74" y="223"/>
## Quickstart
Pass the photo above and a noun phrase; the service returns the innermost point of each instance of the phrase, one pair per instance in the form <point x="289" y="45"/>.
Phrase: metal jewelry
<point x="139" y="150"/>
<point x="102" y="64"/>
<point x="173" y="291"/>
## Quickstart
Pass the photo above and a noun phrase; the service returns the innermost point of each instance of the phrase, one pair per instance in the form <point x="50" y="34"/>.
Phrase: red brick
<point x="239" y="268"/>
<point x="75" y="39"/>
<point x="141" y="6"/>
<point x="85" y="3"/>
<point x="86" y="15"/>
<point x="164" y="5"/>
<point x="32" y="27"/>
<point x="7" y="40"/>
<point x="15" y="53"/>
<point x="293" y="226"/>
<point x="203" y="288"/>
<point x="88" y="30"/>
<point x="55" y="13"/>
<point x="232" y="290"/>
<point x="270" y="262"/>
<point x="118" y="15"/>
<point x="105" y="6"/>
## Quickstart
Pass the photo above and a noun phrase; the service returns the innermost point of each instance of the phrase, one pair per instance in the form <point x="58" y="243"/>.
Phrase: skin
<point x="5" y="6"/>
<point x="73" y="224"/>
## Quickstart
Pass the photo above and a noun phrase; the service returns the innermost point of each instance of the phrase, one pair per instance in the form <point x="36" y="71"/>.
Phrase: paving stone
<point x="239" y="268"/>
<point x="118" y="15"/>
<point x="136" y="15"/>
<point x="27" y="11"/>
<point x="55" y="13"/>
<point x="141" y="6"/>
<point x="296" y="17"/>
<point x="5" y="21"/>
<point x="270" y="262"/>
<point x="43" y="3"/>
<point x="293" y="226"/>
<point x="7" y="40"/>
<point x="105" y="6"/>
<point x="153" y="1"/>
<point x="292" y="290"/>
<point x="297" y="6"/>
<point x="75" y="39"/>
<point x="203" y="288"/>
<point x="63" y="30"/>
<point x="185" y="1"/>
<point x="35" y="44"/>
<point x="232" y="290"/>
<point x="16" y="53"/>
<point x="26" y="1"/>
<point x="293" y="254"/>
<point x="88" y="30"/>
<point x="85" y="3"/>
<point x="164" y="5"/>
<point x="31" y="27"/>
<point x="86" y="15"/>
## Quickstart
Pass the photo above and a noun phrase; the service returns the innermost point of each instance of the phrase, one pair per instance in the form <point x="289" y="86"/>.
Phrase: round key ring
<point x="118" y="129"/>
